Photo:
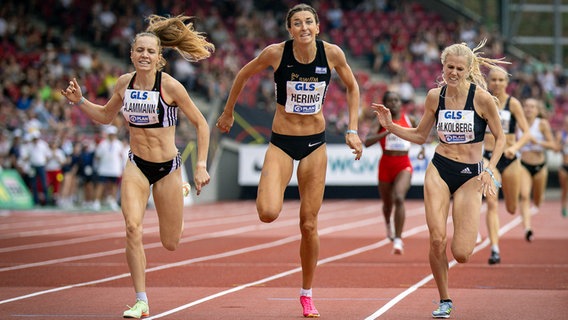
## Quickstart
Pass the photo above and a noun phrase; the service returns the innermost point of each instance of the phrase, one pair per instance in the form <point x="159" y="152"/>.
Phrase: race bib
<point x="395" y="143"/>
<point x="456" y="126"/>
<point x="141" y="107"/>
<point x="505" y="117"/>
<point x="304" y="98"/>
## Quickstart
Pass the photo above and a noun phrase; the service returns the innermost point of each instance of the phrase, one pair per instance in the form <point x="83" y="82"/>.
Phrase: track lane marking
<point x="513" y="223"/>
<point x="153" y="220"/>
<point x="344" y="255"/>
<point x="362" y="223"/>
<point x="209" y="235"/>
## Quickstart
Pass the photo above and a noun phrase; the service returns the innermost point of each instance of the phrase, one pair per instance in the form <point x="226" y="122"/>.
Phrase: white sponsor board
<point x="342" y="169"/>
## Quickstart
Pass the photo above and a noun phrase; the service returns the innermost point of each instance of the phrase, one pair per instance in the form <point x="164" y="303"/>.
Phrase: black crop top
<point x="508" y="120"/>
<point x="459" y="126"/>
<point x="301" y="88"/>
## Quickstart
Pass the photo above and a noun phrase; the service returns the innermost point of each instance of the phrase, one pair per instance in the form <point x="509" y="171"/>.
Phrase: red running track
<point x="71" y="265"/>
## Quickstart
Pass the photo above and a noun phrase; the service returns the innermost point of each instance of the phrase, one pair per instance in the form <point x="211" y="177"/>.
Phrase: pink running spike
<point x="308" y="307"/>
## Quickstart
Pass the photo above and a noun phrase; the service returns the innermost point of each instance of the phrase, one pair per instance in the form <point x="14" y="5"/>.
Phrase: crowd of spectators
<point x="67" y="171"/>
<point x="392" y="45"/>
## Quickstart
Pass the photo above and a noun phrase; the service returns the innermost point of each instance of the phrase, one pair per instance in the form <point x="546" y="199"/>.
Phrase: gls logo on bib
<point x="139" y="95"/>
<point x="304" y="97"/>
<point x="454" y="115"/>
<point x="456" y="126"/>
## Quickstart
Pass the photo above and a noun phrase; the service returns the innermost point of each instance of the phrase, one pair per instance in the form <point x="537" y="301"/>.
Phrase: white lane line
<point x="120" y="234"/>
<point x="67" y="229"/>
<point x="347" y="226"/>
<point x="256" y="227"/>
<point x="88" y="224"/>
<point x="344" y="255"/>
<point x="180" y="263"/>
<point x="77" y="219"/>
<point x="55" y="219"/>
<point x="241" y="215"/>
<point x="428" y="278"/>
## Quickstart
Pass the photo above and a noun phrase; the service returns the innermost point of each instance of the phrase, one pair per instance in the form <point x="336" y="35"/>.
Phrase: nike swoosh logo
<point x="290" y="65"/>
<point x="313" y="144"/>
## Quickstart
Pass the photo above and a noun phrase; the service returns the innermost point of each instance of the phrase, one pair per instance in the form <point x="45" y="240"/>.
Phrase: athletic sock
<point x="495" y="248"/>
<point x="142" y="296"/>
<point x="306" y="292"/>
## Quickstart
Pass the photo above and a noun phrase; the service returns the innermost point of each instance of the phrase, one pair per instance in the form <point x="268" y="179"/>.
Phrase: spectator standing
<point x="70" y="177"/>
<point x="54" y="170"/>
<point x="87" y="174"/>
<point x="15" y="156"/>
<point x="110" y="160"/>
<point x="334" y="15"/>
<point x="38" y="152"/>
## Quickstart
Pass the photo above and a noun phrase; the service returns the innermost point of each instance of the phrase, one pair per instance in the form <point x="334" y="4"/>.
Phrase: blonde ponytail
<point x="173" y="32"/>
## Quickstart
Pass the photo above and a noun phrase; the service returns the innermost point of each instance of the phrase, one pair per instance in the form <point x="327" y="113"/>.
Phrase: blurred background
<point x="390" y="45"/>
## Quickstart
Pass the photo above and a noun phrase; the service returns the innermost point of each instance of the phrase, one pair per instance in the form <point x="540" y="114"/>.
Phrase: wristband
<point x="78" y="103"/>
<point x="350" y="131"/>
<point x="497" y="183"/>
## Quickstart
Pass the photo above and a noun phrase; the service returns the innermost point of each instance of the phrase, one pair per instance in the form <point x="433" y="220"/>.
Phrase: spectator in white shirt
<point x="37" y="155"/>
<point x="54" y="171"/>
<point x="109" y="156"/>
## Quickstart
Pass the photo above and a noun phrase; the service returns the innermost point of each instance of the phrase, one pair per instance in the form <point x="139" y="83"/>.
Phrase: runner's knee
<point x="268" y="209"/>
<point x="267" y="215"/>
<point x="308" y="227"/>
<point x="461" y="257"/>
<point x="170" y="243"/>
<point x="437" y="244"/>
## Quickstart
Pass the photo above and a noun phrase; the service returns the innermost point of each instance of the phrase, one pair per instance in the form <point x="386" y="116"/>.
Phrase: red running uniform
<point x="391" y="165"/>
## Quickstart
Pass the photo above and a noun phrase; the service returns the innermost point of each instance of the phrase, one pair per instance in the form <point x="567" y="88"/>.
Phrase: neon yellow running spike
<point x="139" y="310"/>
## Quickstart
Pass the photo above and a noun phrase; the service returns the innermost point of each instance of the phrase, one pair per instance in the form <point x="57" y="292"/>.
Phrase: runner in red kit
<point x="395" y="169"/>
